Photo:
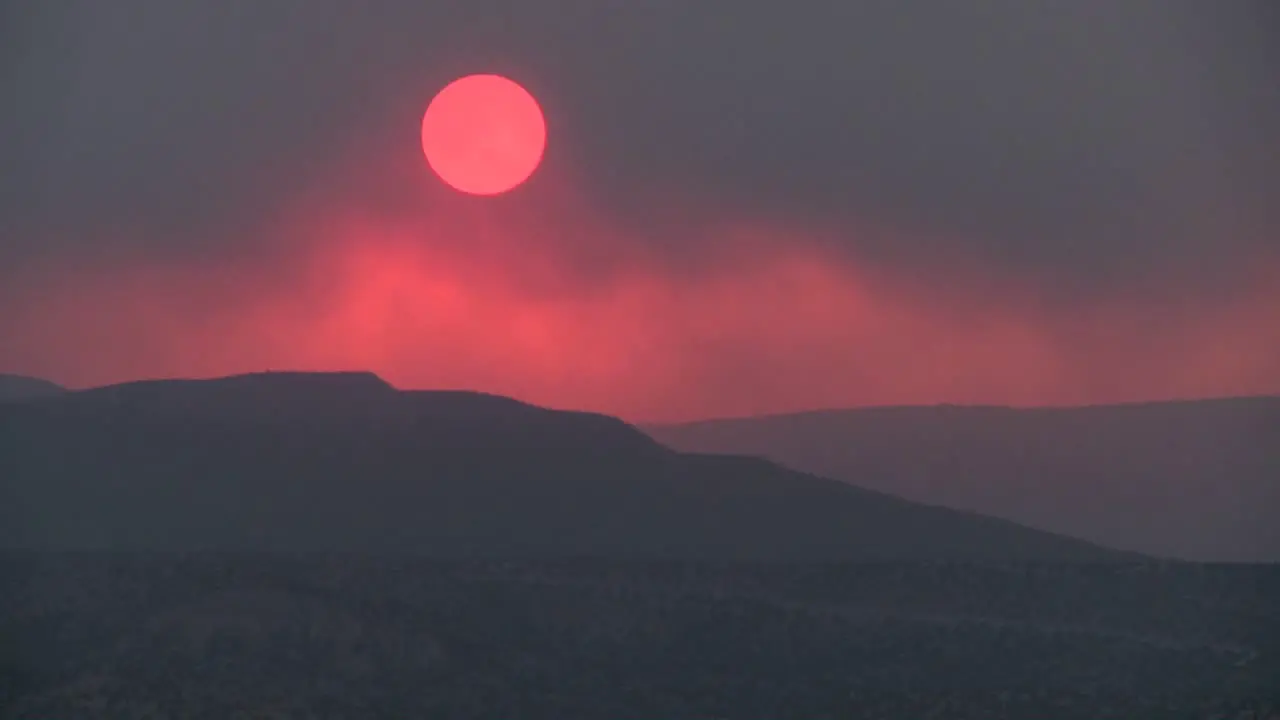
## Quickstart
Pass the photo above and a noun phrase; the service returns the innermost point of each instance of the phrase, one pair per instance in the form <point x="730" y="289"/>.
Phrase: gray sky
<point x="744" y="207"/>
<point x="1083" y="140"/>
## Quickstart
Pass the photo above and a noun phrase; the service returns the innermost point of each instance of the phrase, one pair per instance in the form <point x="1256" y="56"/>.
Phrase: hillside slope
<point x="20" y="387"/>
<point x="346" y="462"/>
<point x="1197" y="480"/>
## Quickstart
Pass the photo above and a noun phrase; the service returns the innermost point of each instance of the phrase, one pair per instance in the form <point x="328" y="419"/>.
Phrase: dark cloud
<point x="1072" y="137"/>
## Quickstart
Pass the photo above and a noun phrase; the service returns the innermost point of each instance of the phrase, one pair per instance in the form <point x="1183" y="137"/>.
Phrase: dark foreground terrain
<point x="273" y="636"/>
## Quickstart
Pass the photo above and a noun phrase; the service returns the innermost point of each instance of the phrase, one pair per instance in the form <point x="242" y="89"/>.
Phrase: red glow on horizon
<point x="546" y="300"/>
<point x="776" y="325"/>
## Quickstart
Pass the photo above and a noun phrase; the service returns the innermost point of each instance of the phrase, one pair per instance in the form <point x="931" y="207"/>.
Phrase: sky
<point x="744" y="207"/>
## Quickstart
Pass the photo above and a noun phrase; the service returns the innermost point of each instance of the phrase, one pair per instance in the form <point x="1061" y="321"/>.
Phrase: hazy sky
<point x="745" y="206"/>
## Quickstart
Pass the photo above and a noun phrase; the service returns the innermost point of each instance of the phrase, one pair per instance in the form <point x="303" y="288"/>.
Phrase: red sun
<point x="483" y="134"/>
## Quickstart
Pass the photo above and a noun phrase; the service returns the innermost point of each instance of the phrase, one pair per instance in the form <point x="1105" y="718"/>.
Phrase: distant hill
<point x="19" y="387"/>
<point x="1196" y="480"/>
<point x="346" y="462"/>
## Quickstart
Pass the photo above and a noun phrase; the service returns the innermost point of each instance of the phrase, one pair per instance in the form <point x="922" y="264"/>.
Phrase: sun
<point x="483" y="134"/>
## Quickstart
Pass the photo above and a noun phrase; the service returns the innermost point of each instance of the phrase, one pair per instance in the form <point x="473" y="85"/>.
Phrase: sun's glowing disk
<point x="483" y="134"/>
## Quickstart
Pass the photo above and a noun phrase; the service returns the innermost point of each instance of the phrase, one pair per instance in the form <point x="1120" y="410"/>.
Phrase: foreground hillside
<point x="339" y="636"/>
<point x="1196" y="480"/>
<point x="345" y="462"/>
<point x="19" y="387"/>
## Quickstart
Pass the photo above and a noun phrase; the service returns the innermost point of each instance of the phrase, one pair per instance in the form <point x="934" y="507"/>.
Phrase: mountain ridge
<point x="1192" y="479"/>
<point x="277" y="464"/>
<point x="24" y="387"/>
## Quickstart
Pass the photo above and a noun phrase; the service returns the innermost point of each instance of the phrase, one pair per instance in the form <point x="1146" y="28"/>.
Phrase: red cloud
<point x="557" y="307"/>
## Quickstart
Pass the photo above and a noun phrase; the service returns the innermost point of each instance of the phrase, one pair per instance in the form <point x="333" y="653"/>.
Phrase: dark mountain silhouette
<point x="345" y="462"/>
<point x="19" y="387"/>
<point x="1194" y="479"/>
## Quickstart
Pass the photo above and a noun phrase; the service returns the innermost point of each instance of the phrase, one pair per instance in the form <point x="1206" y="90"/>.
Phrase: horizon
<point x="640" y="422"/>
